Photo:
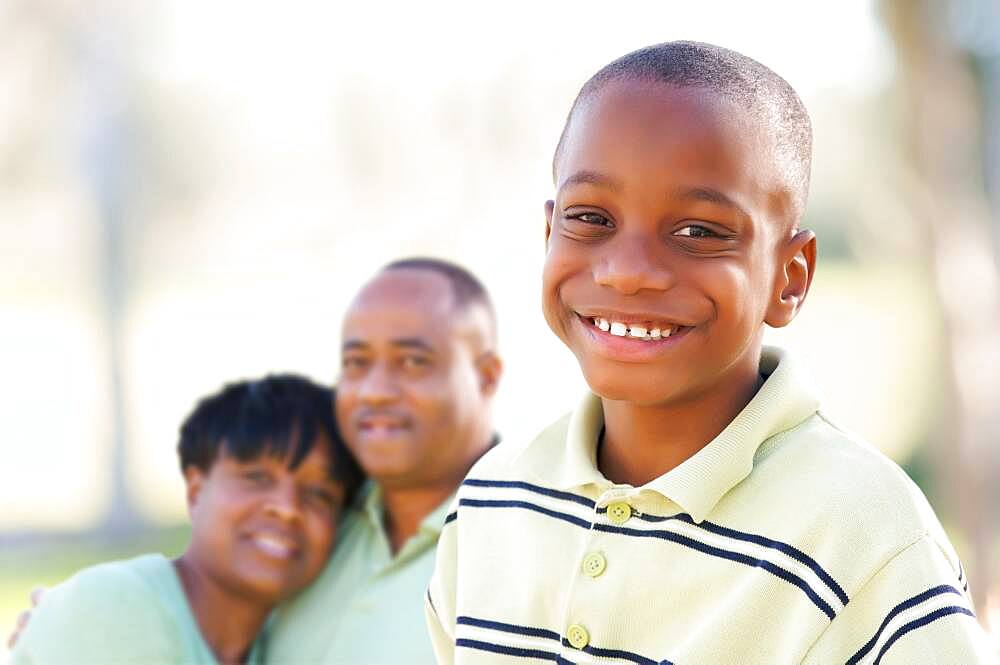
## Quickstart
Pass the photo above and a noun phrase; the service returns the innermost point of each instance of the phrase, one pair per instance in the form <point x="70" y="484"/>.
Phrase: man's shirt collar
<point x="565" y="455"/>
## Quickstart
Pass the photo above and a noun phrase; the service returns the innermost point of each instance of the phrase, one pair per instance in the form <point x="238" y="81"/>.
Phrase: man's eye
<point x="352" y="363"/>
<point x="415" y="362"/>
<point x="696" y="231"/>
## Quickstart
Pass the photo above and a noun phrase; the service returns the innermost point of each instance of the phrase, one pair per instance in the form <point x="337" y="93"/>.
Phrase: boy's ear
<point x="795" y="273"/>
<point x="194" y="479"/>
<point x="490" y="368"/>
<point x="549" y="207"/>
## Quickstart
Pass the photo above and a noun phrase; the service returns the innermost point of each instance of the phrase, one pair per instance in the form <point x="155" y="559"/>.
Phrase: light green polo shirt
<point x="784" y="540"/>
<point x="366" y="608"/>
<point x="132" y="611"/>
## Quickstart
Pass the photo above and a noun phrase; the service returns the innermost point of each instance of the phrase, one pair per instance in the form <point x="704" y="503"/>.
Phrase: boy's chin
<point x="637" y="384"/>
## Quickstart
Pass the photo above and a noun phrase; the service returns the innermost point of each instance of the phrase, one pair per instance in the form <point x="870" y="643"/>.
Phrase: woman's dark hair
<point x="279" y="415"/>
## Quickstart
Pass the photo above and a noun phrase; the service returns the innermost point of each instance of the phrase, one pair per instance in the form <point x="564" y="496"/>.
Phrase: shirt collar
<point x="565" y="455"/>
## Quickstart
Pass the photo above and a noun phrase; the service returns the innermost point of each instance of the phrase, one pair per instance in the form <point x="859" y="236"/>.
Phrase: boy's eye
<point x="593" y="218"/>
<point x="696" y="231"/>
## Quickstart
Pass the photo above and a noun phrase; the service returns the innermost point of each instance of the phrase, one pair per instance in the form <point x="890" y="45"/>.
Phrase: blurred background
<point x="191" y="192"/>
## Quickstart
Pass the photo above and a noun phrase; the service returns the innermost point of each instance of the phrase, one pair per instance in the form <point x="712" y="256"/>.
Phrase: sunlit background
<point x="191" y="192"/>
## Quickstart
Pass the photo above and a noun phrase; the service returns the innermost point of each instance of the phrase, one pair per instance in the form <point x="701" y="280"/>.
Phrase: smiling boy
<point x="266" y="477"/>
<point x="697" y="507"/>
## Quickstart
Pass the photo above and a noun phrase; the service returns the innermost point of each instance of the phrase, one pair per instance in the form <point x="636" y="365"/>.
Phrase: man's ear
<point x="549" y="207"/>
<point x="490" y="368"/>
<point x="194" y="479"/>
<point x="792" y="279"/>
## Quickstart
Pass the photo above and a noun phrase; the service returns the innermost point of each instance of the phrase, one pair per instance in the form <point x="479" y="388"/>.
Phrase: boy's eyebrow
<point x="591" y="178"/>
<point x="711" y="196"/>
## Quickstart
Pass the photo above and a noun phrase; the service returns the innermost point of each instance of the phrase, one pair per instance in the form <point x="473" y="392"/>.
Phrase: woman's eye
<point x="696" y="231"/>
<point x="256" y="476"/>
<point x="322" y="495"/>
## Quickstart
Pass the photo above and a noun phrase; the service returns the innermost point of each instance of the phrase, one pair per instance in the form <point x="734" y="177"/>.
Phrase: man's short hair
<point x="466" y="288"/>
<point x="279" y="415"/>
<point x="734" y="77"/>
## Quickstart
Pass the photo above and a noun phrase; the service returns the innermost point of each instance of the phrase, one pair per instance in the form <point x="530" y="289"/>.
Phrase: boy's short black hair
<point x="465" y="287"/>
<point x="735" y="78"/>
<point x="279" y="415"/>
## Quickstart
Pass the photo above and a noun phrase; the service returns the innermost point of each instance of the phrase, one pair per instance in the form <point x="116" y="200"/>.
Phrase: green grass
<point x="52" y="560"/>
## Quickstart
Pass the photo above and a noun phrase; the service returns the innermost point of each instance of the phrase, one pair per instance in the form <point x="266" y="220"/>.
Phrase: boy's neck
<point x="229" y="624"/>
<point x="641" y="443"/>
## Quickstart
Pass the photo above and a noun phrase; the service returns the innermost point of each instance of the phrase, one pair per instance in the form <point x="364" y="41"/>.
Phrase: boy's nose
<point x="632" y="264"/>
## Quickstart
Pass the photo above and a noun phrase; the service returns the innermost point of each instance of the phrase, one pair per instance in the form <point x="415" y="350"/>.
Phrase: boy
<point x="697" y="508"/>
<point x="266" y="475"/>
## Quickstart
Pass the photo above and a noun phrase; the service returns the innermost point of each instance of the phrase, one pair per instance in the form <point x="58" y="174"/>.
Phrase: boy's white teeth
<point x="638" y="331"/>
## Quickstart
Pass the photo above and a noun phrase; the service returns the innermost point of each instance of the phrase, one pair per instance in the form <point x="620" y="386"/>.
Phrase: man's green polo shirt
<point x="366" y="608"/>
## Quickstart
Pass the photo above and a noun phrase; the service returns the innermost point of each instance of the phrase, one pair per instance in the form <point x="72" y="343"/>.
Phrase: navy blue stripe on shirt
<point x="508" y="627"/>
<point x="902" y="607"/>
<point x="918" y="623"/>
<point x="538" y="489"/>
<point x="617" y="653"/>
<point x="738" y="557"/>
<point x="497" y="503"/>
<point x="430" y="601"/>
<point x="451" y="517"/>
<point x="711" y="527"/>
<point x="663" y="535"/>
<point x="519" y="652"/>
<point x="544" y="633"/>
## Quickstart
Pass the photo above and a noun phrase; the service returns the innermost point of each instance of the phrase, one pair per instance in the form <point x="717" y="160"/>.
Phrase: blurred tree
<point x="950" y="81"/>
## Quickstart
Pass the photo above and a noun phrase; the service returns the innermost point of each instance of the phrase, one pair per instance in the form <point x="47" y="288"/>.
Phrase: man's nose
<point x="379" y="385"/>
<point x="633" y="263"/>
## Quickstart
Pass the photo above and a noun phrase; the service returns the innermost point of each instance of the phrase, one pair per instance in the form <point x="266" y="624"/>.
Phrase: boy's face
<point x="261" y="529"/>
<point x="670" y="220"/>
<point x="411" y="391"/>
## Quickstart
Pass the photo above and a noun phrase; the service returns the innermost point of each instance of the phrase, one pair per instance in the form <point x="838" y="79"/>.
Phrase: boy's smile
<point x="665" y="243"/>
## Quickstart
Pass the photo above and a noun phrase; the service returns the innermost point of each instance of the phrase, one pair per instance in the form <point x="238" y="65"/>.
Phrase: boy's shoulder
<point x="838" y="495"/>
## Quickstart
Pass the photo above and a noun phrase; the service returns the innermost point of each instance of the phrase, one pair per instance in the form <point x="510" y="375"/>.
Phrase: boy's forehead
<point x="628" y="128"/>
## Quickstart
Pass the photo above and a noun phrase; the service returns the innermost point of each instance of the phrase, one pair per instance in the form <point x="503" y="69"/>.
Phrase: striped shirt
<point x="783" y="540"/>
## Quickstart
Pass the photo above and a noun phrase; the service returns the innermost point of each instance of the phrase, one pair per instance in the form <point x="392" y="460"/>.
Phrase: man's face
<point x="668" y="223"/>
<point x="260" y="528"/>
<point x="409" y="395"/>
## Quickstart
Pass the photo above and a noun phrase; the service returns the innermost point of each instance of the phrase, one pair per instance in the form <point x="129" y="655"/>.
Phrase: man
<point x="419" y="371"/>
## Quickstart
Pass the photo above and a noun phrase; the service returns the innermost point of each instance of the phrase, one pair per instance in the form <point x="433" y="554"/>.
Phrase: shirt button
<point x="594" y="564"/>
<point x="619" y="512"/>
<point x="578" y="636"/>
